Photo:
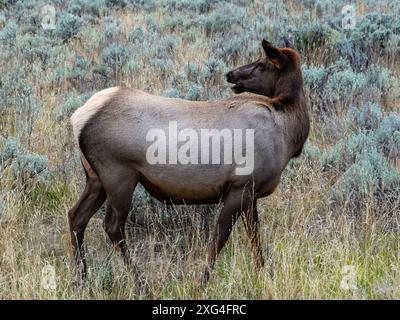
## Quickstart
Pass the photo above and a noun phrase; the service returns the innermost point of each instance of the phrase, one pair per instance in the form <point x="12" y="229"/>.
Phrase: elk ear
<point x="274" y="55"/>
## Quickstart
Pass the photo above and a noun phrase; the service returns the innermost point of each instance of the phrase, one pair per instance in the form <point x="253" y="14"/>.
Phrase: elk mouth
<point x="238" y="88"/>
<point x="237" y="85"/>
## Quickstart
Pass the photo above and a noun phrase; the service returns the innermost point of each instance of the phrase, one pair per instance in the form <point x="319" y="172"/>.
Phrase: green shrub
<point x="344" y="154"/>
<point x="24" y="165"/>
<point x="91" y="8"/>
<point x="72" y="102"/>
<point x="194" y="92"/>
<point x="369" y="179"/>
<point x="198" y="6"/>
<point x="172" y="93"/>
<point x="10" y="150"/>
<point x="137" y="35"/>
<point x="166" y="47"/>
<point x="388" y="135"/>
<point x="116" y="3"/>
<point x="115" y="56"/>
<point x="367" y="118"/>
<point x="9" y="34"/>
<point x="68" y="26"/>
<point x="222" y="18"/>
<point x="312" y="36"/>
<point x="345" y="85"/>
<point x="35" y="48"/>
<point x="192" y="71"/>
<point x="382" y="79"/>
<point x="112" y="28"/>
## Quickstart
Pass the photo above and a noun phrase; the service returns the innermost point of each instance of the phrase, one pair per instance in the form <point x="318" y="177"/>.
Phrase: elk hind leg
<point x="119" y="194"/>
<point x="89" y="202"/>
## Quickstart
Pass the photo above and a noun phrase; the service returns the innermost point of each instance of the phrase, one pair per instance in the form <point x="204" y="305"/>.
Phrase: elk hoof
<point x="202" y="280"/>
<point x="270" y="268"/>
<point x="80" y="274"/>
<point x="79" y="280"/>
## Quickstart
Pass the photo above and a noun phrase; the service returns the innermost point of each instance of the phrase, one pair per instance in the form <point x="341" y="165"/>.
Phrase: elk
<point x="110" y="129"/>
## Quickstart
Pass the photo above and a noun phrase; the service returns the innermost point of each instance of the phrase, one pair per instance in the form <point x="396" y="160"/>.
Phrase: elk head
<point x="267" y="75"/>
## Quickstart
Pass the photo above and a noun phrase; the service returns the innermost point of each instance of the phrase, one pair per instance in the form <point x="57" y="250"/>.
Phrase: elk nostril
<point x="229" y="76"/>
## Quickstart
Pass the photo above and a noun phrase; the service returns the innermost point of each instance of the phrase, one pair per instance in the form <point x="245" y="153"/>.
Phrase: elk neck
<point x="291" y="103"/>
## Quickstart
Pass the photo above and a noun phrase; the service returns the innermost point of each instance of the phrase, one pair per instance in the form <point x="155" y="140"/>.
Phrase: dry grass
<point x="307" y="249"/>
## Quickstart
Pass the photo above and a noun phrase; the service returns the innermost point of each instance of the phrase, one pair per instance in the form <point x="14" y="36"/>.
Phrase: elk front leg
<point x="251" y="223"/>
<point x="235" y="202"/>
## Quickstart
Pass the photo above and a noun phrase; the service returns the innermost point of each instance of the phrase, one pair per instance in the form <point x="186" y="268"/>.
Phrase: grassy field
<point x="331" y="230"/>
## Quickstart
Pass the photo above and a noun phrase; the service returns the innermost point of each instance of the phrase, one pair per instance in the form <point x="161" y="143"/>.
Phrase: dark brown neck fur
<point x="289" y="98"/>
